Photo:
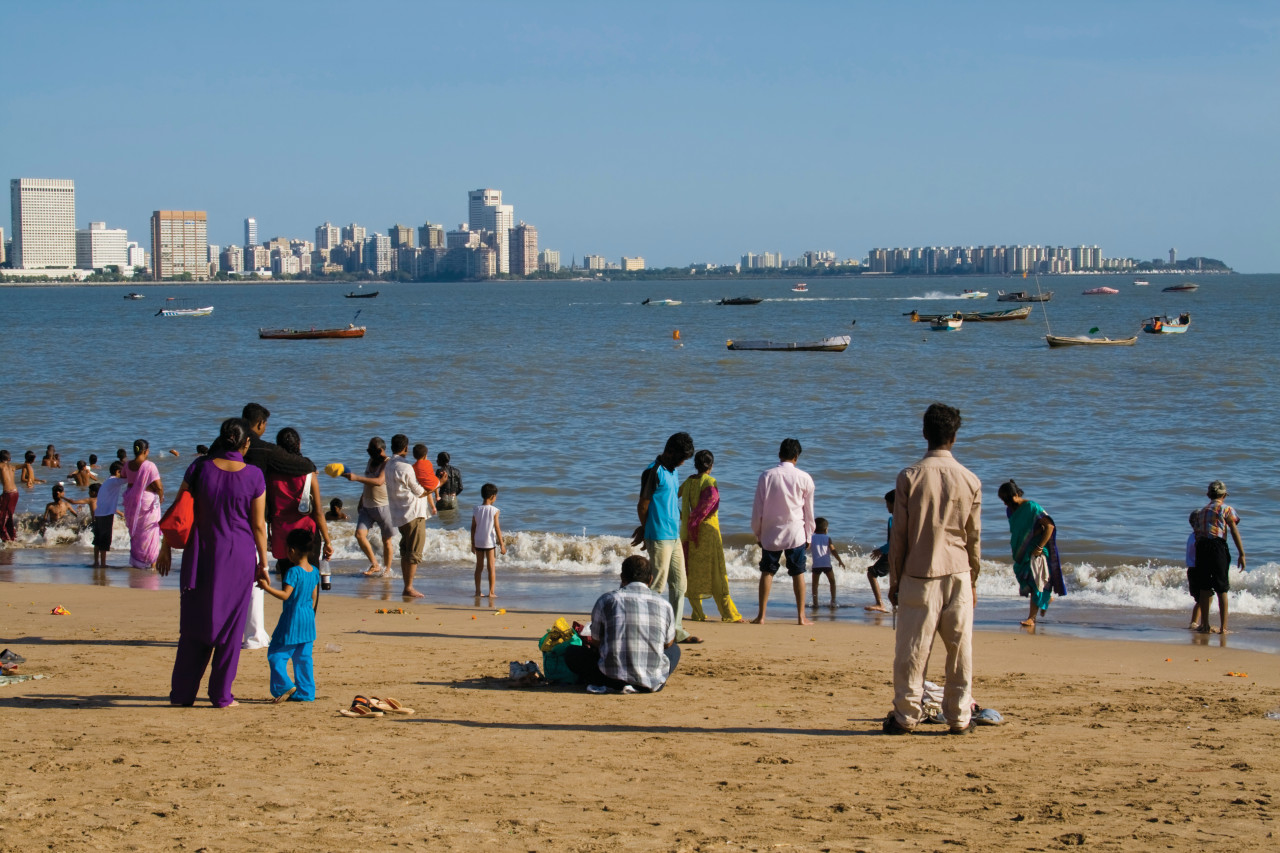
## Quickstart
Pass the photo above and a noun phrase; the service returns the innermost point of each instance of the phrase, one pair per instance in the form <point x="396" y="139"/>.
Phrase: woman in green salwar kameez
<point x="1032" y="538"/>
<point x="705" y="569"/>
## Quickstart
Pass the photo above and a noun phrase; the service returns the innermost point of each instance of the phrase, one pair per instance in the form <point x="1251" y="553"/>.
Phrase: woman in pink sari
<point x="143" y="499"/>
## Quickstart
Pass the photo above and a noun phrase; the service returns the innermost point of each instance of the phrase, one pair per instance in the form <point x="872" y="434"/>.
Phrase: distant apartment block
<point x="401" y="236"/>
<point x="355" y="233"/>
<point x="231" y="260"/>
<point x="993" y="260"/>
<point x="431" y="236"/>
<point x="179" y="243"/>
<point x="250" y="232"/>
<point x="632" y="264"/>
<point x="44" y="223"/>
<point x="99" y="247"/>
<point x="765" y="260"/>
<point x="139" y="257"/>
<point x="523" y="249"/>
<point x="549" y="260"/>
<point x="328" y="236"/>
<point x="594" y="262"/>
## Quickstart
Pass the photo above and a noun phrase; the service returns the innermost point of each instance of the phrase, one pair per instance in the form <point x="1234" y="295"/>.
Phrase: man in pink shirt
<point x="782" y="521"/>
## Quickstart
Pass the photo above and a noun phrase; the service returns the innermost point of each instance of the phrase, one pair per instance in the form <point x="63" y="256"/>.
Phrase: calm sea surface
<point x="560" y="393"/>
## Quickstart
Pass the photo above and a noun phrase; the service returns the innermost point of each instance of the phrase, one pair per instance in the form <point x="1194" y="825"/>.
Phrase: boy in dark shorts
<point x="106" y="503"/>
<point x="880" y="568"/>
<point x="1191" y="572"/>
<point x="1213" y="558"/>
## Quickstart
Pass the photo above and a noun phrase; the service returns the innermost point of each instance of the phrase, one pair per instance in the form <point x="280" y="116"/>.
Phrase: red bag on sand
<point x="175" y="527"/>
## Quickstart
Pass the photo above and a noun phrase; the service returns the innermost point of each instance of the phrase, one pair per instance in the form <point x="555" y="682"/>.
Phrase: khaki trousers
<point x="928" y="606"/>
<point x="667" y="558"/>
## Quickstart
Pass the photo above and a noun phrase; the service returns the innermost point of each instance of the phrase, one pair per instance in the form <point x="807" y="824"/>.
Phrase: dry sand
<point x="766" y="738"/>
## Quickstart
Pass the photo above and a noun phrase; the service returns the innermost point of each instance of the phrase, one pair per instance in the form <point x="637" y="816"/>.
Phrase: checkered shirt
<point x="633" y="626"/>
<point x="1212" y="523"/>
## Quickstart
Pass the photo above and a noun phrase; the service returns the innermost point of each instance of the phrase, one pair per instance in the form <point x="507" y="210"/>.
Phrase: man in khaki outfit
<point x="933" y="571"/>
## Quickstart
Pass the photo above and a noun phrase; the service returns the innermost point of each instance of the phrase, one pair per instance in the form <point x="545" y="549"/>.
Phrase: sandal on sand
<point x="360" y="707"/>
<point x="391" y="706"/>
<point x="283" y="697"/>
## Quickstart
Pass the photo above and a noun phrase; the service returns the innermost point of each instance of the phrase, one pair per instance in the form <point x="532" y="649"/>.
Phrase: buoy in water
<point x="675" y="335"/>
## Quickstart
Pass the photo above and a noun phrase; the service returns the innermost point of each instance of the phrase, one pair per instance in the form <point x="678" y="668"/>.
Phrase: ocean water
<point x="560" y="393"/>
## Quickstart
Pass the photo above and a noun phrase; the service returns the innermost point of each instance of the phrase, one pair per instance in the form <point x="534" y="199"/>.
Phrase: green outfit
<point x="708" y="576"/>
<point x="1022" y="530"/>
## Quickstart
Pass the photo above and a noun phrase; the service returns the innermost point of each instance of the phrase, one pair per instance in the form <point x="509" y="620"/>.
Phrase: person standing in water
<point x="1033" y="539"/>
<point x="1213" y="558"/>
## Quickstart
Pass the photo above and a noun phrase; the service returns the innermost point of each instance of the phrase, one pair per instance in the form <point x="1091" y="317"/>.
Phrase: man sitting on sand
<point x="633" y="637"/>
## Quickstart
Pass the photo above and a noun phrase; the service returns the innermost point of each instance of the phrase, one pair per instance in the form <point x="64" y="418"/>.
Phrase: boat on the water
<point x="132" y="295"/>
<point x="1185" y="287"/>
<point x="800" y="287"/>
<point x="974" y="316"/>
<point x="1023" y="296"/>
<point x="972" y="294"/>
<point x="185" y="312"/>
<point x="351" y="331"/>
<point x="741" y="300"/>
<point x="661" y="302"/>
<point x="1140" y="282"/>
<point x="1086" y="341"/>
<point x="1167" y="326"/>
<point x="357" y="295"/>
<point x="1100" y="291"/>
<point x="833" y="344"/>
<point x="947" y="323"/>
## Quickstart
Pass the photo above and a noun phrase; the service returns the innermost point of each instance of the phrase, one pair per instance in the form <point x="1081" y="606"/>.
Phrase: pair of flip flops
<point x="372" y="706"/>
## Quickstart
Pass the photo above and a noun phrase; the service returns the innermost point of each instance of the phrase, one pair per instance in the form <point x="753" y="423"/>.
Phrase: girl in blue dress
<point x="296" y="631"/>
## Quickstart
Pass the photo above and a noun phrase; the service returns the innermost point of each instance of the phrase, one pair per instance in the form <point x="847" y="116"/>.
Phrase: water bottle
<point x="324" y="574"/>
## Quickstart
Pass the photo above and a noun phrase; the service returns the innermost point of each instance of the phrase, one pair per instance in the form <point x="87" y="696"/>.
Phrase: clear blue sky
<point x="683" y="132"/>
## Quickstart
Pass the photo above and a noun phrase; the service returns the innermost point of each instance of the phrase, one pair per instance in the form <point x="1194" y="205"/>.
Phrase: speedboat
<point x="1185" y="287"/>
<point x="132" y="295"/>
<point x="1100" y="291"/>
<point x="185" y="312"/>
<point x="972" y="294"/>
<point x="800" y="287"/>
<point x="1140" y="282"/>
<point x="741" y="300"/>
<point x="1166" y="326"/>
<point x="661" y="302"/>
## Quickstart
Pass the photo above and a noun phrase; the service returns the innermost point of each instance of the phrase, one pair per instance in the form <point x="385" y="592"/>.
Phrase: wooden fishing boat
<point x="1185" y="287"/>
<point x="357" y="295"/>
<point x="741" y="300"/>
<point x="1101" y="291"/>
<point x="310" y="334"/>
<point x="1086" y="341"/>
<point x="1166" y="326"/>
<point x="947" y="323"/>
<point x="834" y="344"/>
<point x="974" y="316"/>
<point x="1023" y="296"/>
<point x="662" y="302"/>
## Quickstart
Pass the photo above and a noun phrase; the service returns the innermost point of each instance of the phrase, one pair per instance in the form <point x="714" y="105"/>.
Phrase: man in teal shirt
<point x="659" y="511"/>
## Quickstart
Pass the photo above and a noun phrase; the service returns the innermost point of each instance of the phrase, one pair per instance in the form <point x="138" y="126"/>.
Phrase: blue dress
<point x="298" y="618"/>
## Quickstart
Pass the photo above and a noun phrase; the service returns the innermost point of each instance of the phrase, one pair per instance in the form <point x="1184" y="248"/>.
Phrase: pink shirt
<point x="782" y="514"/>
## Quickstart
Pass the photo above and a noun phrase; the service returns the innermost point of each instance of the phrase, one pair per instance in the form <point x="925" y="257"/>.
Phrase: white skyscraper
<point x="250" y="232"/>
<point x="481" y="208"/>
<point x="44" y="223"/>
<point x="99" y="247"/>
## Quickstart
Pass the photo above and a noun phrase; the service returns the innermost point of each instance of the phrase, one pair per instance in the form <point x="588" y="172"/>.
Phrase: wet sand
<point x="767" y="737"/>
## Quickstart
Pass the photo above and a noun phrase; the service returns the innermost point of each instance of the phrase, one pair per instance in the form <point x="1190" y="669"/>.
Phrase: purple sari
<point x="142" y="514"/>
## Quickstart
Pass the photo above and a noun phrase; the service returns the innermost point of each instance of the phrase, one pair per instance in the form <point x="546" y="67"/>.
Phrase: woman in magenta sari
<point x="143" y="498"/>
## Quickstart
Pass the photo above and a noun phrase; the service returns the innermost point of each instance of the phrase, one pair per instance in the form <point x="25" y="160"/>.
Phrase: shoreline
<point x="765" y="737"/>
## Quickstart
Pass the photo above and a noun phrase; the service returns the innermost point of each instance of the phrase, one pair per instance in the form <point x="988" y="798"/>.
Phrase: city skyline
<point x="815" y="126"/>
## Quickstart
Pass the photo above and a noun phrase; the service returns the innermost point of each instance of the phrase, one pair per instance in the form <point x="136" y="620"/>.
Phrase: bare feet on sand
<point x="876" y="608"/>
<point x="759" y="620"/>
<point x="372" y="572"/>
<point x="1028" y="623"/>
<point x="410" y="592"/>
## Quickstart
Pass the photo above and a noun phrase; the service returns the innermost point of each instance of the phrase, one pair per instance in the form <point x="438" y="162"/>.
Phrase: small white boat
<point x="1167" y="325"/>
<point x="834" y="344"/>
<point x="1101" y="291"/>
<point x="661" y="302"/>
<point x="1140" y="282"/>
<point x="800" y="287"/>
<point x="185" y="312"/>
<point x="972" y="294"/>
<point x="948" y="323"/>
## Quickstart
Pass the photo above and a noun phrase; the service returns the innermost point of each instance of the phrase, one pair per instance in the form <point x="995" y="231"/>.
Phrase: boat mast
<point x="1042" y="308"/>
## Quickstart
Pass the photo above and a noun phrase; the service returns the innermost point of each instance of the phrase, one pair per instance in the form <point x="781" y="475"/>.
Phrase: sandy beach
<point x="766" y="738"/>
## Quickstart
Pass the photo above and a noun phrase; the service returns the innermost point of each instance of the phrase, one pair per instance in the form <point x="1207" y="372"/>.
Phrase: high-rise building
<point x="232" y="259"/>
<point x="44" y="223"/>
<point x="462" y="238"/>
<point x="2" y="249"/>
<point x="401" y="236"/>
<point x="99" y="247"/>
<point x="594" y="262"/>
<point x="179" y="243"/>
<point x="549" y="260"/>
<point x="523" y="249"/>
<point x="138" y="258"/>
<point x="328" y="236"/>
<point x="487" y="213"/>
<point x="379" y="257"/>
<point x="632" y="264"/>
<point x="1173" y="257"/>
<point x="431" y="236"/>
<point x="250" y="233"/>
<point x="355" y="233"/>
<point x="257" y="259"/>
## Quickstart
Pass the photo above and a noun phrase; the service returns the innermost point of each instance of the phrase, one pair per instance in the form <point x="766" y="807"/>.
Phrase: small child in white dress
<point x="486" y="535"/>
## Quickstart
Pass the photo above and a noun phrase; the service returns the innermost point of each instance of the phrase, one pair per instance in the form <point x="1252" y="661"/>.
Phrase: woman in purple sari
<point x="143" y="498"/>
<point x="223" y="558"/>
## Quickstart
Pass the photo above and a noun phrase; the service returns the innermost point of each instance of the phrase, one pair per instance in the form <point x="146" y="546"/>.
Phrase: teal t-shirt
<point x="298" y="619"/>
<point x="663" y="520"/>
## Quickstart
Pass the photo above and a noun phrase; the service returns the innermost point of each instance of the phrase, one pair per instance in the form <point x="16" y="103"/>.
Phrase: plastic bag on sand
<point x="526" y="674"/>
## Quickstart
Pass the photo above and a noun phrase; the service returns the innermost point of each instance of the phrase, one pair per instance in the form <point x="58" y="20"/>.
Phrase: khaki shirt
<point x="937" y="519"/>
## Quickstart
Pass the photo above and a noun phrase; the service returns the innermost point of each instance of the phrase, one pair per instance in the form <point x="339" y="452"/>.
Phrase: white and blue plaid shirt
<point x="633" y="626"/>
